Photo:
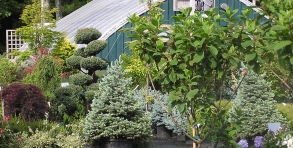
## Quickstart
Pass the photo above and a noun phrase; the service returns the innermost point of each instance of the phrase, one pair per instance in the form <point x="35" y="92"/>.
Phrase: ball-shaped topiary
<point x="80" y="52"/>
<point x="80" y="79"/>
<point x="93" y="64"/>
<point x="74" y="61"/>
<point x="25" y="100"/>
<point x="95" y="47"/>
<point x="86" y="35"/>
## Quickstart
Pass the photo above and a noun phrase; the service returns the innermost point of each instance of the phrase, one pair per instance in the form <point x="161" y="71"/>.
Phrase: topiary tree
<point x="255" y="100"/>
<point x="24" y="100"/>
<point x="115" y="113"/>
<point x="84" y="59"/>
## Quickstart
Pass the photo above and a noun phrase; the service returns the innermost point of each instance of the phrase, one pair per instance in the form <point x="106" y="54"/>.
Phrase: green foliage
<point x="92" y="64"/>
<point x="66" y="103"/>
<point x="114" y="112"/>
<point x="255" y="100"/>
<point x="193" y="60"/>
<point x="80" y="52"/>
<point x="80" y="79"/>
<point x="8" y="72"/>
<point x="86" y="35"/>
<point x="158" y="115"/>
<point x="36" y="33"/>
<point x="286" y="110"/>
<point x="74" y="61"/>
<point x="46" y="75"/>
<point x="55" y="136"/>
<point x="95" y="47"/>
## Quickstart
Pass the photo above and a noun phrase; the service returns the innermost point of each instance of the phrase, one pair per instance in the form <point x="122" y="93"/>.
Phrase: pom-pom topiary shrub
<point x="115" y="113"/>
<point x="87" y="63"/>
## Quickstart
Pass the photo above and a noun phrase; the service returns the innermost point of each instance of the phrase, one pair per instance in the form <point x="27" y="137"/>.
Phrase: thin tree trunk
<point x="59" y="9"/>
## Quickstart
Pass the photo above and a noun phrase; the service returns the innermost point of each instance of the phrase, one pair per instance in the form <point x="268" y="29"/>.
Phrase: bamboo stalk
<point x="193" y="134"/>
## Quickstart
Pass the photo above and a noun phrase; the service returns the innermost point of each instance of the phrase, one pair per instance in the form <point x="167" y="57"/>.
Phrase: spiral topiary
<point x="86" y="35"/>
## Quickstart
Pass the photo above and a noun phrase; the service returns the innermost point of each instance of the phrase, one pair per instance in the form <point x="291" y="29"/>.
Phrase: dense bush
<point x="46" y="75"/>
<point x="80" y="79"/>
<point x="95" y="47"/>
<point x="86" y="35"/>
<point x="66" y="102"/>
<point x="24" y="100"/>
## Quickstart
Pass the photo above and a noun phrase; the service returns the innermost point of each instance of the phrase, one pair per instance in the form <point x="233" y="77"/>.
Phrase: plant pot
<point x="118" y="143"/>
<point x="163" y="132"/>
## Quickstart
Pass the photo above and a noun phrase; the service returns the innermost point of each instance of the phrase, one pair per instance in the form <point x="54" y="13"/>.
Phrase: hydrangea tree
<point x="115" y="113"/>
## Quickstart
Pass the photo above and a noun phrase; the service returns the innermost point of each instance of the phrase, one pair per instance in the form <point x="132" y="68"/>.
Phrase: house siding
<point x="116" y="42"/>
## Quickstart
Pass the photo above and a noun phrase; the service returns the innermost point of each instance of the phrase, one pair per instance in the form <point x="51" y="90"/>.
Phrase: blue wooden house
<point x="108" y="16"/>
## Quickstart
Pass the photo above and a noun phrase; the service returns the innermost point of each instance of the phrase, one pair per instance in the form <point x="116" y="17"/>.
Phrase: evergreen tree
<point x="115" y="113"/>
<point x="255" y="100"/>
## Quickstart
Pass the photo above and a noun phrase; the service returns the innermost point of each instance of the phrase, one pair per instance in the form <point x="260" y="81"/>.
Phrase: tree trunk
<point x="59" y="9"/>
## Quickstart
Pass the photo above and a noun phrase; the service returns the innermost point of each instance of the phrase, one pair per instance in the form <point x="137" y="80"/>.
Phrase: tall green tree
<point x="255" y="100"/>
<point x="38" y="27"/>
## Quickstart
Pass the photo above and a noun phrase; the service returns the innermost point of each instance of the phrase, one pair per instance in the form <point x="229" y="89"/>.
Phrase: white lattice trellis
<point x="13" y="42"/>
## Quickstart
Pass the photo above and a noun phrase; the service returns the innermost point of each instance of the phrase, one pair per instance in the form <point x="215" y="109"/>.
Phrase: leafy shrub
<point x="24" y="100"/>
<point x="66" y="102"/>
<point x="8" y="138"/>
<point x="56" y="136"/>
<point x="80" y="79"/>
<point x="86" y="35"/>
<point x="95" y="47"/>
<point x="74" y="61"/>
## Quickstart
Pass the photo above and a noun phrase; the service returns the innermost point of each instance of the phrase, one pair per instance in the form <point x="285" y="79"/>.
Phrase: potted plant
<point x="116" y="117"/>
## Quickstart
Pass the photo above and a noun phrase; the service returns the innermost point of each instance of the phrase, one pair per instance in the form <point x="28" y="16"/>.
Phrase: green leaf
<point x="154" y="21"/>
<point x="172" y="97"/>
<point x="278" y="27"/>
<point x="181" y="107"/>
<point x="250" y="56"/>
<point x="198" y="56"/>
<point x="191" y="93"/>
<point x="291" y="60"/>
<point x="213" y="63"/>
<point x="213" y="50"/>
<point x="246" y="44"/>
<point x="174" y="62"/>
<point x="160" y="44"/>
<point x="256" y="68"/>
<point x="282" y="44"/>
<point x="232" y="133"/>
<point x="172" y="76"/>
<point x="179" y="42"/>
<point x="162" y="62"/>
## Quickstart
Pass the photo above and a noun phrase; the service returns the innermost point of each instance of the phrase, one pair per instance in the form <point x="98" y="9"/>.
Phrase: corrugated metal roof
<point x="105" y="15"/>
